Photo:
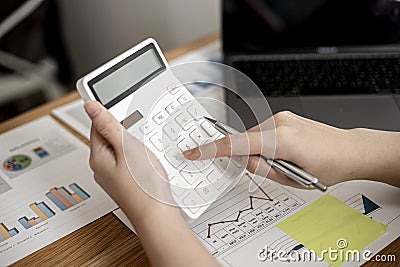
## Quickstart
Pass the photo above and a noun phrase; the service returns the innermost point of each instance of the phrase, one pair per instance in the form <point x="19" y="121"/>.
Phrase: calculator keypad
<point x="178" y="125"/>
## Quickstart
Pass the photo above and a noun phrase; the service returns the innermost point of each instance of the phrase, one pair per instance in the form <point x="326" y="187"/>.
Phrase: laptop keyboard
<point x="323" y="77"/>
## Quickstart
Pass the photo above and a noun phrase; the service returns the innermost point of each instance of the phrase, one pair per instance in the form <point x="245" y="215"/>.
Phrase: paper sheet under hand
<point x="320" y="225"/>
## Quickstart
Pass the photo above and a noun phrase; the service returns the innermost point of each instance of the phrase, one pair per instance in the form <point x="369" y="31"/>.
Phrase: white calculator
<point x="139" y="88"/>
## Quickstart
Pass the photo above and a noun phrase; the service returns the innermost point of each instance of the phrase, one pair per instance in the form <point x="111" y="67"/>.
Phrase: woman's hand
<point x="123" y="167"/>
<point x="333" y="155"/>
<point x="123" y="174"/>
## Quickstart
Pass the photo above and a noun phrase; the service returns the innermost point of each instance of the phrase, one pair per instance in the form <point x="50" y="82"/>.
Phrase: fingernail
<point x="192" y="153"/>
<point x="92" y="108"/>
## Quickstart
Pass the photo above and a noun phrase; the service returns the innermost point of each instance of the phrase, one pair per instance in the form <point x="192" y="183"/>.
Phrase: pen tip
<point x="209" y="119"/>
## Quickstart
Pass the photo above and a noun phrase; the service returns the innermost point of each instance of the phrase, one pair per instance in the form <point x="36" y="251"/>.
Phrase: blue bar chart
<point x="42" y="211"/>
<point x="64" y="199"/>
<point x="6" y="233"/>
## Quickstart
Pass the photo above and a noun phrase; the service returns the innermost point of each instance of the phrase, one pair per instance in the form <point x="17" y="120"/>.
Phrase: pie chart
<point x="17" y="163"/>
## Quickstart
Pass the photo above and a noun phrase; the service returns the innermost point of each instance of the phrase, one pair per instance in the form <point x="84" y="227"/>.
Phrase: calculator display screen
<point x="127" y="76"/>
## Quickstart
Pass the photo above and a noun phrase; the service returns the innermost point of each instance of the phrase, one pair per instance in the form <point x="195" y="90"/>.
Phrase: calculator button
<point x="171" y="108"/>
<point x="189" y="166"/>
<point x="186" y="166"/>
<point x="183" y="99"/>
<point x="201" y="165"/>
<point x="195" y="111"/>
<point x="177" y="188"/>
<point x="196" y="136"/>
<point x="216" y="178"/>
<point x="222" y="163"/>
<point x="146" y="128"/>
<point x="174" y="157"/>
<point x="225" y="165"/>
<point x="210" y="130"/>
<point x="190" y="177"/>
<point x="174" y="88"/>
<point x="186" y="144"/>
<point x="171" y="129"/>
<point x="207" y="192"/>
<point x="229" y="169"/>
<point x="192" y="201"/>
<point x="157" y="142"/>
<point x="160" y="117"/>
<point x="184" y="121"/>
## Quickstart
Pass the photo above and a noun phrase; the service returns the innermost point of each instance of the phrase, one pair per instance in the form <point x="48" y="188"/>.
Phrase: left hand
<point x="123" y="166"/>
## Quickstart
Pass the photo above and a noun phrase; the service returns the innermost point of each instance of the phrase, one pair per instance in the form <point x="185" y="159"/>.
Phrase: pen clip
<point x="310" y="179"/>
<point x="290" y="173"/>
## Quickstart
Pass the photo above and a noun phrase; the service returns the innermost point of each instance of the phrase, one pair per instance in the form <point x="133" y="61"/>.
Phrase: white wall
<point x="97" y="30"/>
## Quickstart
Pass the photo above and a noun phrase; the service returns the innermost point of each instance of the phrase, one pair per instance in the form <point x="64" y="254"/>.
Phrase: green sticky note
<point x="327" y="224"/>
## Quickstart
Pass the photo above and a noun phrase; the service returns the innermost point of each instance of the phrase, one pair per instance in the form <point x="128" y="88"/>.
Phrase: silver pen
<point x="287" y="168"/>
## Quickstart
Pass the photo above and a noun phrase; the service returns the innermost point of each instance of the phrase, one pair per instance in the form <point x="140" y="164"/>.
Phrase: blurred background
<point x="46" y="45"/>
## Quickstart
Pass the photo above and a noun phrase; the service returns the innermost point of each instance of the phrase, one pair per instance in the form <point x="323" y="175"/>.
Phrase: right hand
<point x="326" y="152"/>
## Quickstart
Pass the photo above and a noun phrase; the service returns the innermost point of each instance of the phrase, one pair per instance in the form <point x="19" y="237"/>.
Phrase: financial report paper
<point x="46" y="188"/>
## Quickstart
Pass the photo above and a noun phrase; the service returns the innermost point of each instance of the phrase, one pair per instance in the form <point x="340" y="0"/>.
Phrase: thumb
<point x="105" y="124"/>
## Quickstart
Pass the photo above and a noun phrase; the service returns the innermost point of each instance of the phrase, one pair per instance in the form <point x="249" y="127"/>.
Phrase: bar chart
<point x="64" y="199"/>
<point x="6" y="233"/>
<point x="42" y="211"/>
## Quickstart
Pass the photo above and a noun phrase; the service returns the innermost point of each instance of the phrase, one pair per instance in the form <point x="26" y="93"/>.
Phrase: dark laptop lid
<point x="299" y="26"/>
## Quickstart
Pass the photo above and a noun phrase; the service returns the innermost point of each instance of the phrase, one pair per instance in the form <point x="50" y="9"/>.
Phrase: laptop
<point x="334" y="61"/>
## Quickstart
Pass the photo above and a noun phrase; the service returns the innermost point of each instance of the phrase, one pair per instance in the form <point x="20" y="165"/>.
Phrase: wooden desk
<point x="106" y="241"/>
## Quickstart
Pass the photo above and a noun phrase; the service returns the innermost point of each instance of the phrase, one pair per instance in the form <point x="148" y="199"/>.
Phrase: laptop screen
<point x="270" y="26"/>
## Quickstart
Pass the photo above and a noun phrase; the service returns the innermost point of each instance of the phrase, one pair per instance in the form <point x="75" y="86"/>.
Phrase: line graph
<point x="268" y="198"/>
<point x="240" y="215"/>
<point x="258" y="185"/>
